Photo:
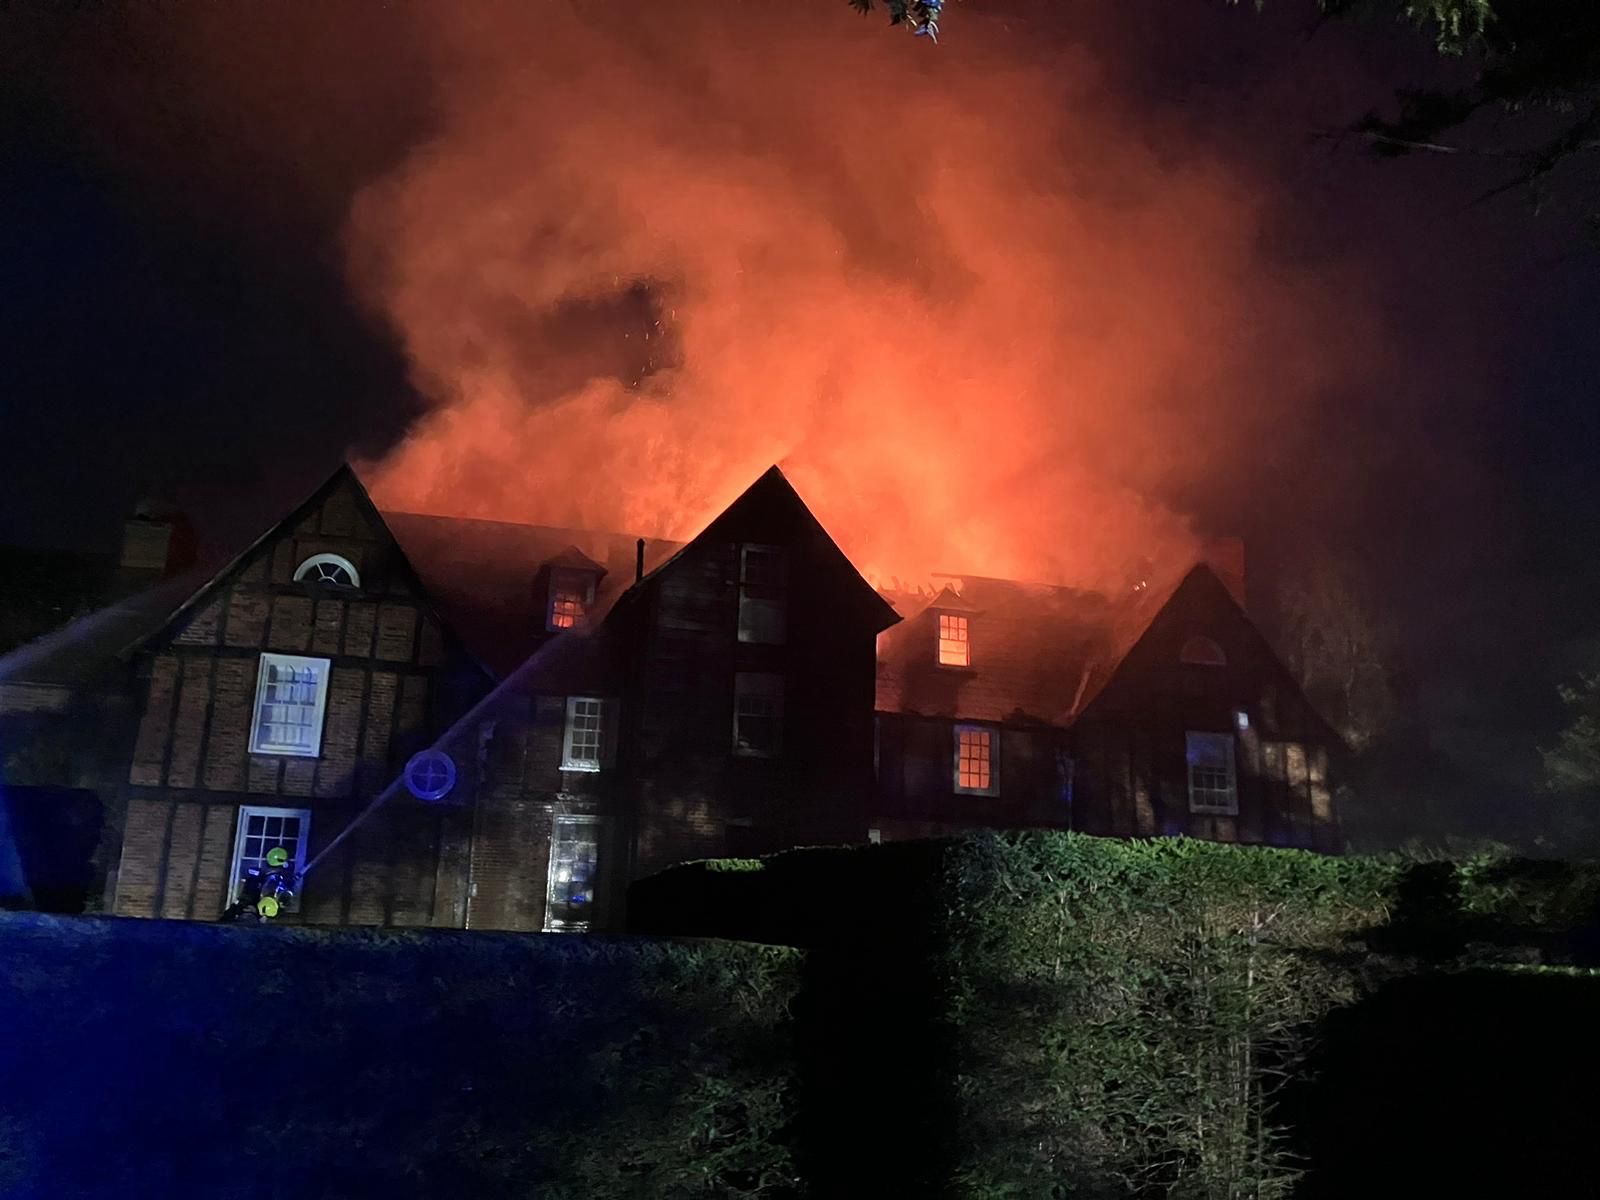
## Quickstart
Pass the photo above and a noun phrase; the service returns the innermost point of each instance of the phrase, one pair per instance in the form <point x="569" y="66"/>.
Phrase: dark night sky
<point x="175" y="317"/>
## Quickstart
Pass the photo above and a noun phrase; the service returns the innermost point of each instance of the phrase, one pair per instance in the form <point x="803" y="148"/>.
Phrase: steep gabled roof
<point x="343" y="477"/>
<point x="1040" y="653"/>
<point x="1203" y="588"/>
<point x="777" y="495"/>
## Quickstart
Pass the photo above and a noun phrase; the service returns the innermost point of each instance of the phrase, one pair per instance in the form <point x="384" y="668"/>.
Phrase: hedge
<point x="151" y="1058"/>
<point x="1008" y="1015"/>
<point x="1106" y="1018"/>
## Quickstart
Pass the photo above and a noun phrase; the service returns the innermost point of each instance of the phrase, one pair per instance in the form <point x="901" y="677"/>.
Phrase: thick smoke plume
<point x="985" y="321"/>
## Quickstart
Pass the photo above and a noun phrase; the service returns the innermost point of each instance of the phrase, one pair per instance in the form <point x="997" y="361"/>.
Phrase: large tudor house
<point x="471" y="724"/>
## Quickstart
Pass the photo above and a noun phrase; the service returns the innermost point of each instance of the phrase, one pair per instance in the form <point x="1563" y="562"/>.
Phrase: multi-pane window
<point x="574" y="871"/>
<point x="975" y="767"/>
<point x="571" y="593"/>
<point x="260" y="831"/>
<point x="757" y="714"/>
<point x="762" y="617"/>
<point x="954" y="648"/>
<point x="1211" y="780"/>
<point x="584" y="743"/>
<point x="291" y="695"/>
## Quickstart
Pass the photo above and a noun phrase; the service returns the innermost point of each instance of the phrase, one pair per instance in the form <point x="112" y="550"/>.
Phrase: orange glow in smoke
<point x="985" y="320"/>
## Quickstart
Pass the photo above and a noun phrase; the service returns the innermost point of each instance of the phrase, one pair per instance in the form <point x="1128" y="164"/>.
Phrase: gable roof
<point x="1204" y="587"/>
<point x="1039" y="652"/>
<point x="1047" y="655"/>
<point x="343" y="476"/>
<point x="483" y="575"/>
<point x="774" y="491"/>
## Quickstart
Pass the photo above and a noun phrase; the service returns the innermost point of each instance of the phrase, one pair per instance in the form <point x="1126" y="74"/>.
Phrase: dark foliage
<point x="1533" y="100"/>
<point x="48" y="839"/>
<point x="164" y="1059"/>
<point x="1104" y="1018"/>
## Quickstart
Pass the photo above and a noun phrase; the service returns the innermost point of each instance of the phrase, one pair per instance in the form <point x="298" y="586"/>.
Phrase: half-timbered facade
<point x="478" y="724"/>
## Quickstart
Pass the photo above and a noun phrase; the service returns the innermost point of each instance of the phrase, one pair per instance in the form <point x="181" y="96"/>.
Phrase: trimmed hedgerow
<point x="1085" y="1017"/>
<point x="146" y="1058"/>
<point x="1126" y="1010"/>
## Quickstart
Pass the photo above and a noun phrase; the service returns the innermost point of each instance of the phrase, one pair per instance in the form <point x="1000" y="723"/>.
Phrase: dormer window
<point x="571" y="596"/>
<point x="331" y="569"/>
<point x="955" y="648"/>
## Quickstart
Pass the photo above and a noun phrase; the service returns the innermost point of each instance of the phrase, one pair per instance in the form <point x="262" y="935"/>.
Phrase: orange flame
<point x="984" y="320"/>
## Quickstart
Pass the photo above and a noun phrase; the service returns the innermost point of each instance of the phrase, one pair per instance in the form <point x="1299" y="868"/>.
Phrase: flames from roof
<point x="985" y="320"/>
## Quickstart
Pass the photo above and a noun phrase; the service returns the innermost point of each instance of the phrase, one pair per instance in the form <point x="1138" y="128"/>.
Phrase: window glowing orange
<point x="566" y="608"/>
<point x="974" y="760"/>
<point x="954" y="648"/>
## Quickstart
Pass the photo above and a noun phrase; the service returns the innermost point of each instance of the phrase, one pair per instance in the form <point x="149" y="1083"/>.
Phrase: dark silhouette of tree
<point x="1339" y="648"/>
<point x="1532" y="103"/>
<point x="1573" y="763"/>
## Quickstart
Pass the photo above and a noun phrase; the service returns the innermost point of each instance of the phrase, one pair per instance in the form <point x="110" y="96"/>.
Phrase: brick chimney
<point x="157" y="542"/>
<point x="1225" y="556"/>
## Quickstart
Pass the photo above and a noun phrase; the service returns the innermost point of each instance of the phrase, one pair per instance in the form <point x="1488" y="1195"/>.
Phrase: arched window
<point x="1202" y="651"/>
<point x="329" y="569"/>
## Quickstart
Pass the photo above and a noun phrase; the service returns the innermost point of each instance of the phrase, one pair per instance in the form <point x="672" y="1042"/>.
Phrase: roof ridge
<point x="584" y="529"/>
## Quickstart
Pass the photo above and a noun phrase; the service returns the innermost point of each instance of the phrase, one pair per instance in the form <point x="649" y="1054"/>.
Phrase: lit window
<point x="1211" y="782"/>
<point x="757" y="714"/>
<point x="954" y="648"/>
<point x="761" y="595"/>
<point x="330" y="569"/>
<point x="976" y="769"/>
<point x="1202" y="652"/>
<point x="574" y="867"/>
<point x="291" y="694"/>
<point x="261" y="830"/>
<point x="584" y="742"/>
<point x="571" y="593"/>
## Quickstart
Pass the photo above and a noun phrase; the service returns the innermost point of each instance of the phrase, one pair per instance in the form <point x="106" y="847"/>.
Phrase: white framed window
<point x="291" y="698"/>
<point x="262" y="829"/>
<point x="757" y="714"/>
<point x="574" y="871"/>
<point x="583" y="743"/>
<point x="1212" y="787"/>
<point x="955" y="650"/>
<point x="762" y="609"/>
<point x="333" y="569"/>
<point x="571" y="594"/>
<point x="976" y="767"/>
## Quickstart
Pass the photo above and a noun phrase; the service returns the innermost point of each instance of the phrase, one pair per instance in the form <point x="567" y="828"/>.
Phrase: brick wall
<point x="191" y="767"/>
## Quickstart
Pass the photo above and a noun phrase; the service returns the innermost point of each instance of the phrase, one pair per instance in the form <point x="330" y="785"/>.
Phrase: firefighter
<point x="263" y="891"/>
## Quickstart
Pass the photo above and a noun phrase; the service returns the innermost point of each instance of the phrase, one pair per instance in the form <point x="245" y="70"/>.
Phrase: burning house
<point x="474" y="724"/>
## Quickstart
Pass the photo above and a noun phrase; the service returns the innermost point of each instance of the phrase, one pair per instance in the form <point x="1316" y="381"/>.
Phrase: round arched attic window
<point x="329" y="568"/>
<point x="1203" y="652"/>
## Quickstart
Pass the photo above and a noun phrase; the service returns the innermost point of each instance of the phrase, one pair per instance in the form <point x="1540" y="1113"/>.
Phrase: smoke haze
<point x="985" y="320"/>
